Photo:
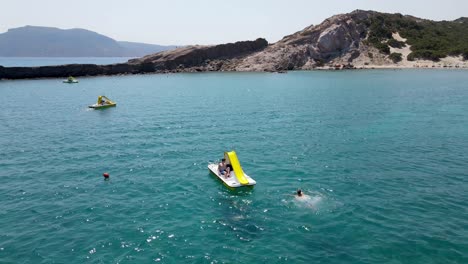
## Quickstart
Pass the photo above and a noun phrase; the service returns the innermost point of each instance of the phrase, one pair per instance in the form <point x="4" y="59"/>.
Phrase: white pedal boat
<point x="238" y="178"/>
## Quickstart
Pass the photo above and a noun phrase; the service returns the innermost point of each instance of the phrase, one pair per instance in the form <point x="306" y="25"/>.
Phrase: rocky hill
<point x="367" y="38"/>
<point x="32" y="41"/>
<point x="202" y="58"/>
<point x="360" y="39"/>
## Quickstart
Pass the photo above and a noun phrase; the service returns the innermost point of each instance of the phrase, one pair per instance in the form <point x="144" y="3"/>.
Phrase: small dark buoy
<point x="106" y="175"/>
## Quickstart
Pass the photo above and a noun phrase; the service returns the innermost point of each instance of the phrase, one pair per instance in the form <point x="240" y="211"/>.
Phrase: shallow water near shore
<point x="381" y="155"/>
<point x="49" y="61"/>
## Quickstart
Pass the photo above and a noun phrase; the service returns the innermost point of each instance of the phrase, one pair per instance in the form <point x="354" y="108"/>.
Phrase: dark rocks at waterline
<point x="66" y="70"/>
<point x="186" y="59"/>
<point x="198" y="55"/>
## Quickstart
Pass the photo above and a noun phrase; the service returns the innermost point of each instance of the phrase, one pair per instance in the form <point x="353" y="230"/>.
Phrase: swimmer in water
<point x="304" y="200"/>
<point x="299" y="193"/>
<point x="301" y="196"/>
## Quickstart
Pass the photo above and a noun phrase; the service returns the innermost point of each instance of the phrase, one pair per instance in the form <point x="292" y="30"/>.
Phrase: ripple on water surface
<point x="380" y="155"/>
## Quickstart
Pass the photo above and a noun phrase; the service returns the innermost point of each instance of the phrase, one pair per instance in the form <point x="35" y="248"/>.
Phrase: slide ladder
<point x="236" y="167"/>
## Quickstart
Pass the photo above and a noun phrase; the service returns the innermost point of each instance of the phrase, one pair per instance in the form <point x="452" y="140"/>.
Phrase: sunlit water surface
<point x="381" y="156"/>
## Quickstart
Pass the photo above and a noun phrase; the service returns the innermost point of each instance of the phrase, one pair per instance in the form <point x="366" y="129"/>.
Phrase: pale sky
<point x="177" y="22"/>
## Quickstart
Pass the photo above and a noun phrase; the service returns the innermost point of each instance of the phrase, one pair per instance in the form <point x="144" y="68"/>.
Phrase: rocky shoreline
<point x="341" y="42"/>
<point x="92" y="70"/>
<point x="187" y="59"/>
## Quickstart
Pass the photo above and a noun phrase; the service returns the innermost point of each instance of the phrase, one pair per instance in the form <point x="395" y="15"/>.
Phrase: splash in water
<point x="308" y="201"/>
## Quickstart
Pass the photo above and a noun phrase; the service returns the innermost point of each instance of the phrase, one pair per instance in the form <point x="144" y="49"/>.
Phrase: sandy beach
<point x="371" y="58"/>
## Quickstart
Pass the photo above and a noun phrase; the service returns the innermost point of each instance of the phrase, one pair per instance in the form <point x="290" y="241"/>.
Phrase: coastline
<point x="242" y="56"/>
<point x="370" y="57"/>
<point x="393" y="67"/>
<point x="194" y="71"/>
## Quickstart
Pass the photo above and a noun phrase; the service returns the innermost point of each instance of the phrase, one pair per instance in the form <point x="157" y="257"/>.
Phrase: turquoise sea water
<point x="40" y="61"/>
<point x="382" y="156"/>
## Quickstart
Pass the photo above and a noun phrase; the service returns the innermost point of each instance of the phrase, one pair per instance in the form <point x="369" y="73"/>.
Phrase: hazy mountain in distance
<point x="135" y="49"/>
<point x="33" y="41"/>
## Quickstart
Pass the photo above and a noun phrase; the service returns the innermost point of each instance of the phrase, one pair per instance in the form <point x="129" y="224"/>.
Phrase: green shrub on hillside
<point x="426" y="55"/>
<point x="378" y="34"/>
<point x="382" y="47"/>
<point x="395" y="57"/>
<point x="395" y="43"/>
<point x="428" y="39"/>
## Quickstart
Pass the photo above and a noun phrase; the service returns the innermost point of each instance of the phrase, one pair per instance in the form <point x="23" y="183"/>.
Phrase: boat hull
<point x="97" y="106"/>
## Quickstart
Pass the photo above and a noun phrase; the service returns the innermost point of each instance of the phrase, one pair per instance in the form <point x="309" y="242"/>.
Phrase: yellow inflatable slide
<point x="231" y="158"/>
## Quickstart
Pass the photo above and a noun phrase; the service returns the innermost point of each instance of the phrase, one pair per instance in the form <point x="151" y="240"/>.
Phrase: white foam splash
<point x="308" y="201"/>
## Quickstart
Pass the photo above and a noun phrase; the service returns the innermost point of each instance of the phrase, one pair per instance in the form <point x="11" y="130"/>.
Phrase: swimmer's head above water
<point x="299" y="192"/>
